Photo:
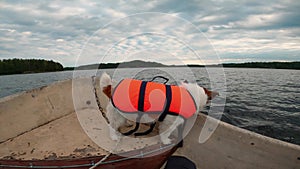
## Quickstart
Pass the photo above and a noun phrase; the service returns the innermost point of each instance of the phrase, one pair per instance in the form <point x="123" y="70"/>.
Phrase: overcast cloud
<point x="164" y="30"/>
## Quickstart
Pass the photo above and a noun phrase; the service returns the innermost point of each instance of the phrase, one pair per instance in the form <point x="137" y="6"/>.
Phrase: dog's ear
<point x="107" y="91"/>
<point x="210" y="94"/>
<point x="105" y="84"/>
<point x="105" y="80"/>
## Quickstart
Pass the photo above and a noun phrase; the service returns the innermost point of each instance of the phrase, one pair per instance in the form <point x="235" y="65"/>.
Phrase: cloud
<point x="239" y="30"/>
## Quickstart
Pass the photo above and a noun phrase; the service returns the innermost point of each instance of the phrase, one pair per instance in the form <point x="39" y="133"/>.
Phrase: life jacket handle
<point x="160" y="77"/>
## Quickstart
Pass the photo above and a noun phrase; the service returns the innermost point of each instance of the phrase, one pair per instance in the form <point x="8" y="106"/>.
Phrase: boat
<point x="237" y="148"/>
<point x="45" y="108"/>
<point x="40" y="128"/>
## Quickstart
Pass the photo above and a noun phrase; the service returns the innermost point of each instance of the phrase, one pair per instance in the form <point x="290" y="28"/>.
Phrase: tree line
<point x="19" y="66"/>
<point x="271" y="65"/>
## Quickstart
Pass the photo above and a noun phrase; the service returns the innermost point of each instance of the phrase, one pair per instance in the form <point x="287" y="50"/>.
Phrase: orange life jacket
<point x="134" y="96"/>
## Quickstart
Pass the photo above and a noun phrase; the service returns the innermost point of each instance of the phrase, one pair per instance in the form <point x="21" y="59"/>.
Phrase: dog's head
<point x="210" y="94"/>
<point x="200" y="94"/>
<point x="106" y="84"/>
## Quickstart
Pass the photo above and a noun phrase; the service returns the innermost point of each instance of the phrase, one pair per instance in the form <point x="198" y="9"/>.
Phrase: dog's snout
<point x="214" y="94"/>
<point x="210" y="94"/>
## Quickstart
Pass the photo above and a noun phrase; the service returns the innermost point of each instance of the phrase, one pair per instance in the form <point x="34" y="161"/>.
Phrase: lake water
<point x="266" y="101"/>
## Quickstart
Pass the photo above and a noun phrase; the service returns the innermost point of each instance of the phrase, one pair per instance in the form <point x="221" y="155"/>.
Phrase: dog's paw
<point x="114" y="137"/>
<point x="166" y="141"/>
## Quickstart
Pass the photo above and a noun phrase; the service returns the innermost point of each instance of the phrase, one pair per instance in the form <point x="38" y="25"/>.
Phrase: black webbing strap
<point x="168" y="102"/>
<point x="142" y="96"/>
<point x="152" y="125"/>
<point x="166" y="79"/>
<point x="137" y="125"/>
<point x="140" y="108"/>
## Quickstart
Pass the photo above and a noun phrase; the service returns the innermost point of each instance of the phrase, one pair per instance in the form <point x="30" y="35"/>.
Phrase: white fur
<point x="197" y="93"/>
<point x="105" y="80"/>
<point x="170" y="123"/>
<point x="116" y="120"/>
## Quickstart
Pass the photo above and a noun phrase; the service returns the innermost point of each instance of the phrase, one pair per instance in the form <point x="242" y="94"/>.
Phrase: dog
<point x="163" y="108"/>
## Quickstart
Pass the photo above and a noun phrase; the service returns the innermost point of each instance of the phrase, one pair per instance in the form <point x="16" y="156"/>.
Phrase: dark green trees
<point x="16" y="66"/>
<point x="268" y="65"/>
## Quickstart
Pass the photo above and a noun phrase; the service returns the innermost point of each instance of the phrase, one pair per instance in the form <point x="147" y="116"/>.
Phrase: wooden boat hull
<point x="132" y="160"/>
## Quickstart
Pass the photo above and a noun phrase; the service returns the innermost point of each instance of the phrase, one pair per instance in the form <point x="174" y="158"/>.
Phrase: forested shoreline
<point x="139" y="63"/>
<point x="20" y="66"/>
<point x="266" y="65"/>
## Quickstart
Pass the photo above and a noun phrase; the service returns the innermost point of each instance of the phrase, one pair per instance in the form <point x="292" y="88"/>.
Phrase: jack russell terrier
<point x="153" y="100"/>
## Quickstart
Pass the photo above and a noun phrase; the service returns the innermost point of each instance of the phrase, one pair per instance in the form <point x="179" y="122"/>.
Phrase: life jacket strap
<point x="166" y="79"/>
<point x="142" y="96"/>
<point x="137" y="125"/>
<point x="147" y="131"/>
<point x="168" y="103"/>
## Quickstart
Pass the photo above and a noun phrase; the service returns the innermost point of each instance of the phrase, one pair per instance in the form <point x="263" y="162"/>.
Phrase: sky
<point x="168" y="31"/>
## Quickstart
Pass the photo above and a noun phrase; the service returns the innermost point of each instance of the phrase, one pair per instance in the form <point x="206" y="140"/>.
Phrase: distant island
<point x="130" y="64"/>
<point x="21" y="66"/>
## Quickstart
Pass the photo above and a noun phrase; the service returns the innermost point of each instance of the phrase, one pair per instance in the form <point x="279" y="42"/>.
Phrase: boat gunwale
<point x="155" y="150"/>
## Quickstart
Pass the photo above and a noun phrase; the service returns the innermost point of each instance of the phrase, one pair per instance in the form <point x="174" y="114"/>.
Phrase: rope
<point x="97" y="100"/>
<point x="105" y="157"/>
<point x="103" y="114"/>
